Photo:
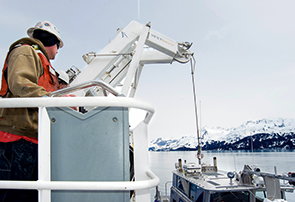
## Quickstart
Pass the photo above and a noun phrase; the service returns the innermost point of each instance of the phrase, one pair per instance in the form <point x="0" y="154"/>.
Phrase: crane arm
<point x="124" y="57"/>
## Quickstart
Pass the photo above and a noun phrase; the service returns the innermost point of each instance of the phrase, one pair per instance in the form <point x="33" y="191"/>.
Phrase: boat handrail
<point x="79" y="101"/>
<point x="168" y="182"/>
<point x="105" y="86"/>
<point x="84" y="185"/>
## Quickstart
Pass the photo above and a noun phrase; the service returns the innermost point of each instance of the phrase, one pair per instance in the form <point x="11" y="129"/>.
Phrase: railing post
<point x="141" y="160"/>
<point x="44" y="165"/>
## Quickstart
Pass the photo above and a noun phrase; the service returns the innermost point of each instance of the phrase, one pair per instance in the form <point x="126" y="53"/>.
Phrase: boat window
<point x="196" y="193"/>
<point x="174" y="183"/>
<point x="182" y="185"/>
<point x="241" y="196"/>
<point x="260" y="196"/>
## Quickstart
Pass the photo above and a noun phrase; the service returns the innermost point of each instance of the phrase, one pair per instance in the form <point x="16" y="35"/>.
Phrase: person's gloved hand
<point x="71" y="95"/>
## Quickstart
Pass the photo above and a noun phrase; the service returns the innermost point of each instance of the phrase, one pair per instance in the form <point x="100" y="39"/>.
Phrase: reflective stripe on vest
<point x="48" y="80"/>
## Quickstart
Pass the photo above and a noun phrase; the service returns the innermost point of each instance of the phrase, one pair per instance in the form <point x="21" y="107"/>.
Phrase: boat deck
<point x="216" y="181"/>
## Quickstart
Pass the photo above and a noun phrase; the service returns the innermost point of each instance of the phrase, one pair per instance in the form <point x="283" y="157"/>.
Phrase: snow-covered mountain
<point x="261" y="134"/>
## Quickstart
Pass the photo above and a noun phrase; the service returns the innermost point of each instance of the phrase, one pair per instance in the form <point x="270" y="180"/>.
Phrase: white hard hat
<point x="64" y="76"/>
<point x="46" y="26"/>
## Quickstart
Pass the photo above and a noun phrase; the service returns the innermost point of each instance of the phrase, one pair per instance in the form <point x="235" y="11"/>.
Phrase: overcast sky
<point x="244" y="50"/>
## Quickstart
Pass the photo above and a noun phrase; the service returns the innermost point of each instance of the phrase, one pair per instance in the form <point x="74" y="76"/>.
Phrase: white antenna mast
<point x="138" y="8"/>
<point x="199" y="154"/>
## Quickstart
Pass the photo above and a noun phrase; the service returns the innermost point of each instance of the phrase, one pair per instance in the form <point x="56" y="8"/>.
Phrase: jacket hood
<point x="30" y="41"/>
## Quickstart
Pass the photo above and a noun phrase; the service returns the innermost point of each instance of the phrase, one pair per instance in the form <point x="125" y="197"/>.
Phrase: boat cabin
<point x="211" y="185"/>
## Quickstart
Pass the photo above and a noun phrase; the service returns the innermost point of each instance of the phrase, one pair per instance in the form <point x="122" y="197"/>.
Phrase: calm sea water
<point x="162" y="163"/>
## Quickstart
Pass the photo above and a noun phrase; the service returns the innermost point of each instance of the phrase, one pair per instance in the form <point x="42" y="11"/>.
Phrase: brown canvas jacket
<point x="24" y="69"/>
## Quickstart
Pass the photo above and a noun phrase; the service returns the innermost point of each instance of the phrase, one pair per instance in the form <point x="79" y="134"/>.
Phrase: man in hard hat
<point x="27" y="72"/>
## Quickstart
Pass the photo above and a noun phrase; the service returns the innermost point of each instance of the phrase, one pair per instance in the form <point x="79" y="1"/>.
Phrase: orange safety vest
<point x="48" y="80"/>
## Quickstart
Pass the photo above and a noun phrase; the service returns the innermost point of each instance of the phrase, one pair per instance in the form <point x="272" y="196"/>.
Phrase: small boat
<point x="193" y="182"/>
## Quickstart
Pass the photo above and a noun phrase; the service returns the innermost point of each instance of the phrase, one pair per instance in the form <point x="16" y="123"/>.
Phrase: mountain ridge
<point x="256" y="135"/>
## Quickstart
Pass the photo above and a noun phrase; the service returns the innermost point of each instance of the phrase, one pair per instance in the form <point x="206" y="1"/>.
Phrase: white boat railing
<point x="44" y="184"/>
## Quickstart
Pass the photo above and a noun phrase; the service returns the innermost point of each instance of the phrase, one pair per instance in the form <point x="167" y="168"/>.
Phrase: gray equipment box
<point x="89" y="147"/>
